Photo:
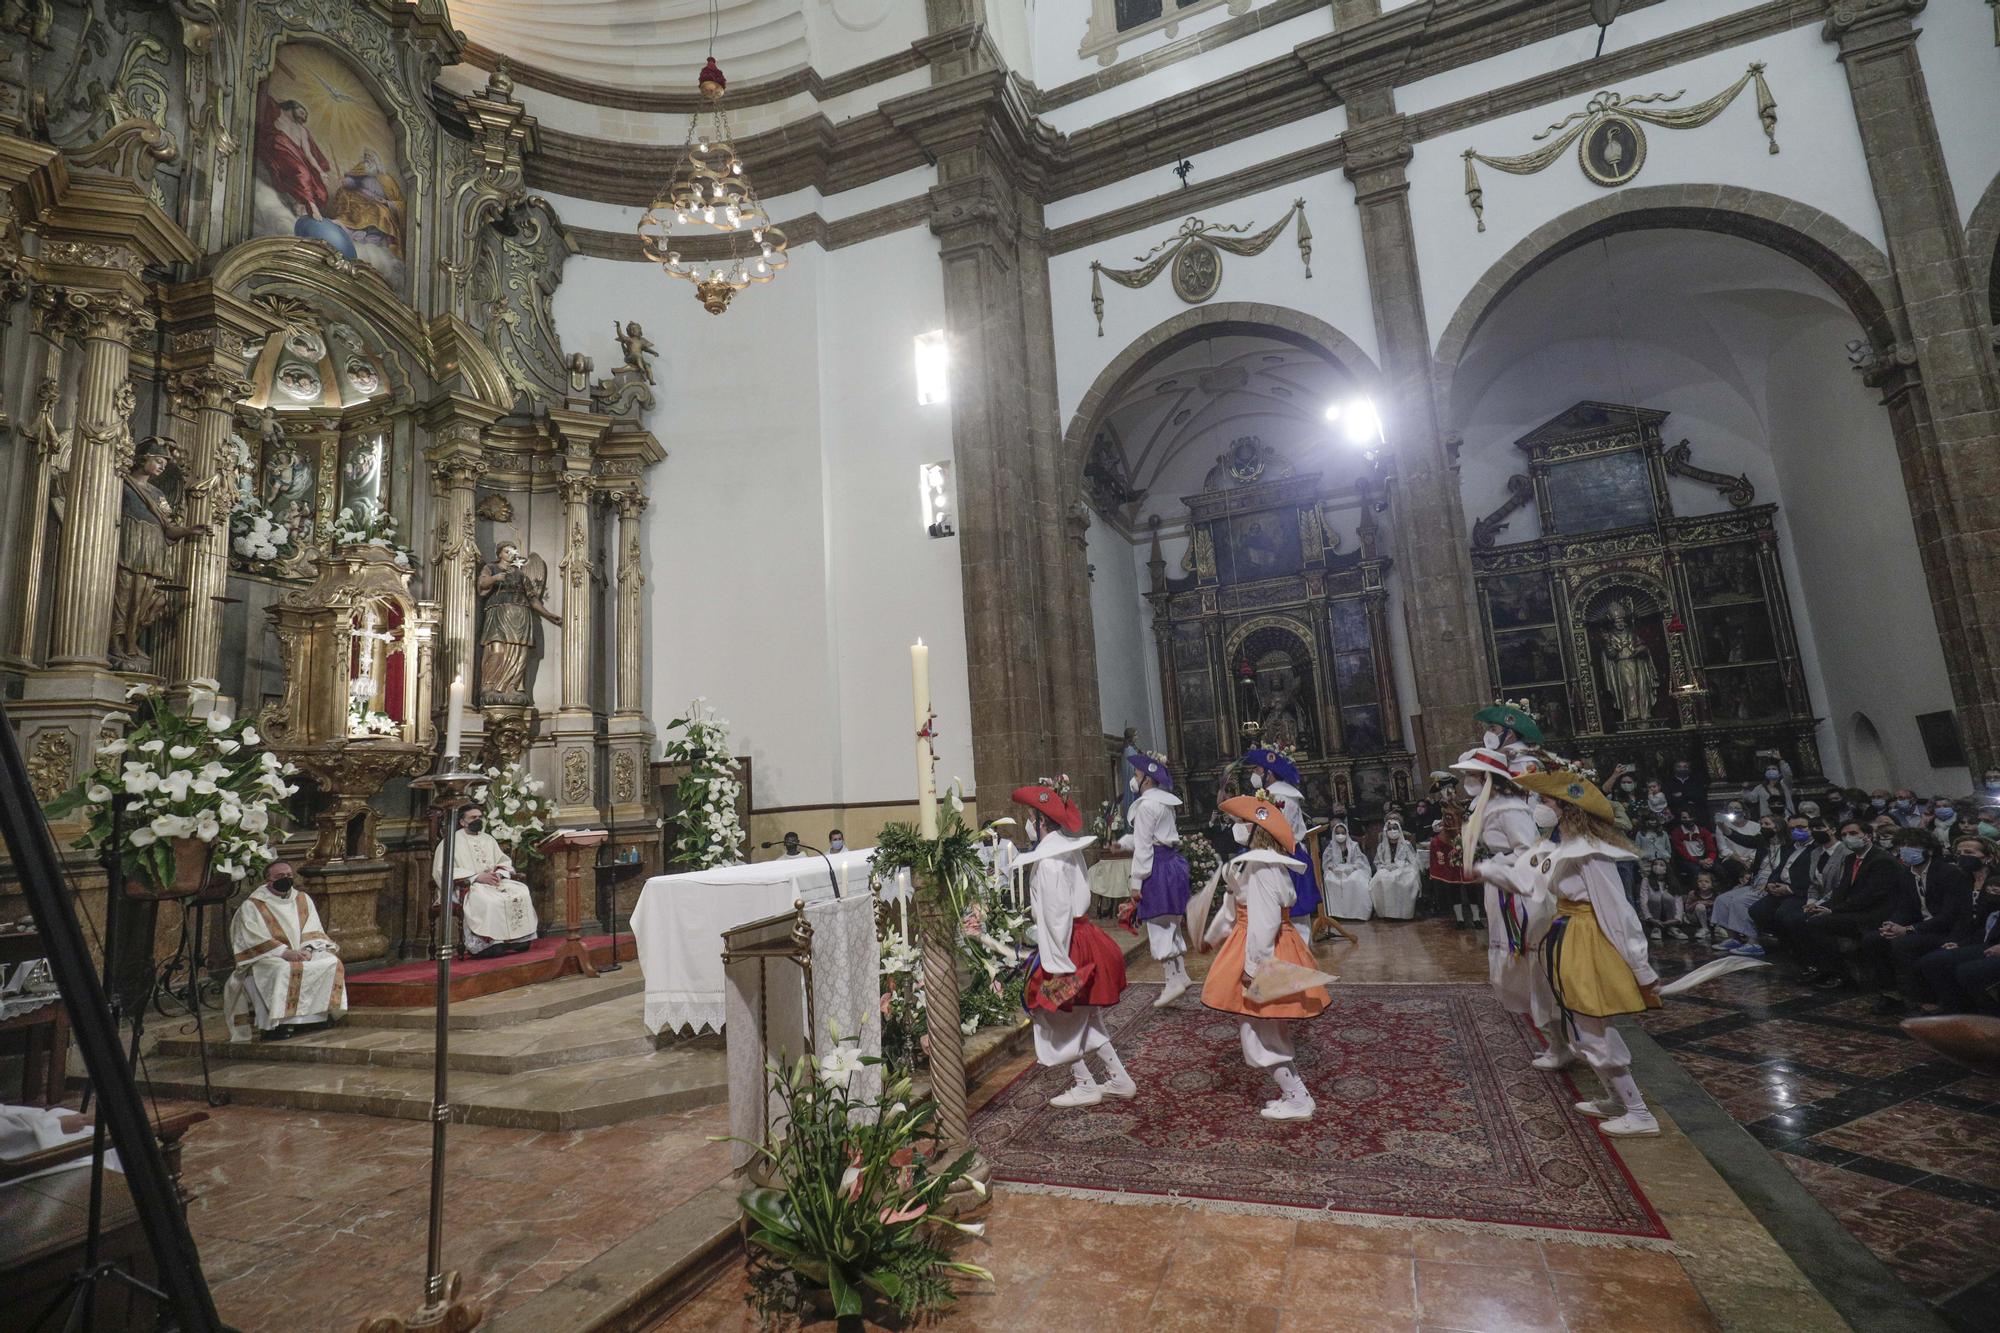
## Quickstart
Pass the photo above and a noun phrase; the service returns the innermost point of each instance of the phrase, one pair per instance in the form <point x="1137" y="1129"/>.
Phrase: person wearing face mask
<point x="1508" y="827"/>
<point x="1694" y="847"/>
<point x="1989" y="784"/>
<point x="1651" y="838"/>
<point x="1657" y="804"/>
<point x="496" y="912"/>
<point x="1937" y="913"/>
<point x="1871" y="882"/>
<point x="1685" y="791"/>
<point x="1077" y="972"/>
<point x="1794" y="883"/>
<point x="1772" y="796"/>
<point x="1398" y="877"/>
<point x="1962" y="975"/>
<point x="1659" y="905"/>
<point x="288" y="973"/>
<point x="1944" y="823"/>
<point x="1347" y="874"/>
<point x="836" y="842"/>
<point x="1249" y="934"/>
<point x="1595" y="952"/>
<point x="1904" y="809"/>
<point x="1732" y="908"/>
<point x="1278" y="778"/>
<point x="1159" y="873"/>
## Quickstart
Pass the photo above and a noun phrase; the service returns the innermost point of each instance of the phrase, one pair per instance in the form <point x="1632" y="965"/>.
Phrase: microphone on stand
<point x="831" y="878"/>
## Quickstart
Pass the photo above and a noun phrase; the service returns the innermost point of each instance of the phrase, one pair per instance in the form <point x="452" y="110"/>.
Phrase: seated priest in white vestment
<point x="288" y="973"/>
<point x="493" y="906"/>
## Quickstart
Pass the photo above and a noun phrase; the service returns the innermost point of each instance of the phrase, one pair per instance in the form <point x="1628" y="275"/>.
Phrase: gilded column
<point x="87" y="558"/>
<point x="209" y="396"/>
<point x="631" y="603"/>
<point x="455" y="555"/>
<point x="577" y="489"/>
<point x="56" y="324"/>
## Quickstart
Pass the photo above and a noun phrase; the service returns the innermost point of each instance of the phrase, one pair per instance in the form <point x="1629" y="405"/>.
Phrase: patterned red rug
<point x="1428" y="1111"/>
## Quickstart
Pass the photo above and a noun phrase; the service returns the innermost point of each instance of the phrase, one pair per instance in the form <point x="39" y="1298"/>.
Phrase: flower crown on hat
<point x="1059" y="784"/>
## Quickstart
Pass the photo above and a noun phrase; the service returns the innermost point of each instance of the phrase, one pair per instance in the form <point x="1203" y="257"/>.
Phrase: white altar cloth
<point x="679" y="919"/>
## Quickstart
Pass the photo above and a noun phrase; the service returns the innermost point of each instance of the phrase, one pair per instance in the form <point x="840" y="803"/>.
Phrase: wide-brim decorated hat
<point x="1145" y="765"/>
<point x="1052" y="803"/>
<point x="1274" y="763"/>
<point x="1263" y="815"/>
<point x="1572" y="788"/>
<point x="1479" y="759"/>
<point x="1513" y="717"/>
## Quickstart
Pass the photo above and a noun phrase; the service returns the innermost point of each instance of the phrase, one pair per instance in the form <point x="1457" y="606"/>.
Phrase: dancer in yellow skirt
<point x="1595" y="952"/>
<point x="1250" y="928"/>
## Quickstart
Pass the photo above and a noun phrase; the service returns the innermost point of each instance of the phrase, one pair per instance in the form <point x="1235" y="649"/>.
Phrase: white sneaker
<point x="1288" y="1110"/>
<point x="1119" y="1087"/>
<point x="1555" y="1058"/>
<point x="1607" y="1109"/>
<point x="1174" y="990"/>
<point x="1089" y="1095"/>
<point x="1631" y="1125"/>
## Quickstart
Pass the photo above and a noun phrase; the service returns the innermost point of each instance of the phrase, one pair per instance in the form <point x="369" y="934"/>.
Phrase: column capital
<point x="453" y="470"/>
<point x="112" y="315"/>
<point x="576" y="487"/>
<point x="211" y="388"/>
<point x="1860" y="24"/>
<point x="1378" y="151"/>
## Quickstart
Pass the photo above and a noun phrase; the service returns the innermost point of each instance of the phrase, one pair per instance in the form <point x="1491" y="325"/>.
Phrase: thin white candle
<point x="903" y="902"/>
<point x="454" y="735"/>
<point x="920" y="684"/>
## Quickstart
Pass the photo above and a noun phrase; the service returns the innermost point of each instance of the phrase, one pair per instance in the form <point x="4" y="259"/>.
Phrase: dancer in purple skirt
<point x="1159" y="871"/>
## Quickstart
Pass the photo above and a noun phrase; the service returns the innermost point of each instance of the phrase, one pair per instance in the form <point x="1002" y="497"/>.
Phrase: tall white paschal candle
<point x="454" y="732"/>
<point x="920" y="684"/>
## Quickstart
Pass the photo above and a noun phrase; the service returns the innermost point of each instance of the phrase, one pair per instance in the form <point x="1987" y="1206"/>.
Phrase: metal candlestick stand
<point x="443" y="1311"/>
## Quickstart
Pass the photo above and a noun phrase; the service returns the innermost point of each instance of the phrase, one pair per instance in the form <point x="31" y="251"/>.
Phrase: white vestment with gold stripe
<point x="265" y="987"/>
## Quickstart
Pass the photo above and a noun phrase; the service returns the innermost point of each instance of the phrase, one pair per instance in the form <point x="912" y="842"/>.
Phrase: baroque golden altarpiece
<point x="283" y="407"/>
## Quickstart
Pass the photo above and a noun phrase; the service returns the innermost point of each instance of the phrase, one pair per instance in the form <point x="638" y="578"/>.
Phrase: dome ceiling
<point x="645" y="45"/>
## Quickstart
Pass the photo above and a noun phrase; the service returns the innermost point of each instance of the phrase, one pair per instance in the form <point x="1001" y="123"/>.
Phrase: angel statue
<point x="512" y="586"/>
<point x="637" y="348"/>
<point x="147" y="529"/>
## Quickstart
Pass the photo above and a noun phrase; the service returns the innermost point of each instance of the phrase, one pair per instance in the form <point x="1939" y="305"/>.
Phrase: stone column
<point x="576" y="568"/>
<point x="87" y="557"/>
<point x="631" y="604"/>
<point x="194" y="652"/>
<point x="1432" y="548"/>
<point x="1951" y="420"/>
<point x="55" y="326"/>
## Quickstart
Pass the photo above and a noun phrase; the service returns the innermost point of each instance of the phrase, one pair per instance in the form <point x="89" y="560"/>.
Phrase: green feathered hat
<point x="1513" y="716"/>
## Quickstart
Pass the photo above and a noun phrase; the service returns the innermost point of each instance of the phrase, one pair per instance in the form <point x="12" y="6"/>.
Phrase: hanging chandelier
<point x="711" y="191"/>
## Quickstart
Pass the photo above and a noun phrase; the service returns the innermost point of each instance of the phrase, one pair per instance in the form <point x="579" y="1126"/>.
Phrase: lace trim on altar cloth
<point x="673" y="1010"/>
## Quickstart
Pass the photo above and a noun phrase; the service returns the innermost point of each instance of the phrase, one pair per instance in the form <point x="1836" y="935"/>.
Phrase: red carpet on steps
<point x="369" y="988"/>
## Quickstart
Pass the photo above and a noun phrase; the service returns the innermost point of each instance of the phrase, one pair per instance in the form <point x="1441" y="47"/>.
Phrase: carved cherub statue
<point x="637" y="348"/>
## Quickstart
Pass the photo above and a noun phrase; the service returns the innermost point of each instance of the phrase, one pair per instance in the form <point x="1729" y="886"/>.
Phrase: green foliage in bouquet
<point x="857" y="1204"/>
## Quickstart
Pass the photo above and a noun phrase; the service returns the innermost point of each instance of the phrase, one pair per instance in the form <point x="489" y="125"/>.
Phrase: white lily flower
<point x="212" y="770"/>
<point x="220" y="722"/>
<point x="176" y="784"/>
<point x="250" y="736"/>
<point x="206" y="826"/>
<point x="202" y="787"/>
<point x="204" y="683"/>
<point x="254" y="821"/>
<point x="269" y="760"/>
<point x="141" y="782"/>
<point x="180" y="752"/>
<point x="97" y="793"/>
<point x="227" y="746"/>
<point x="152" y="747"/>
<point x="144" y="837"/>
<point x="138" y="691"/>
<point x="113" y="748"/>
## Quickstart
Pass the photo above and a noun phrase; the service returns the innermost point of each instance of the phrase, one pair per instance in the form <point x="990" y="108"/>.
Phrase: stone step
<point x="526" y="1004"/>
<point x="579" y="1096"/>
<point x="602" y="1031"/>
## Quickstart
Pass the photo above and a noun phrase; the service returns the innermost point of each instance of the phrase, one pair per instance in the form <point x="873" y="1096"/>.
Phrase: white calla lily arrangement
<point x="208" y="778"/>
<point x="519" y="814"/>
<point x="710" y="833"/>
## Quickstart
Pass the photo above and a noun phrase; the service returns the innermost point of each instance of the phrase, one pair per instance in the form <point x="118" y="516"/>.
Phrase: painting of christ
<point x="325" y="162"/>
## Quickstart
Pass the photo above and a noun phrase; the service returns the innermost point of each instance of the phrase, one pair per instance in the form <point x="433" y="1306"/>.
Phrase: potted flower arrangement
<point x="519" y="814"/>
<point x="199" y="797"/>
<point x="854" y="1217"/>
<point x="710" y="834"/>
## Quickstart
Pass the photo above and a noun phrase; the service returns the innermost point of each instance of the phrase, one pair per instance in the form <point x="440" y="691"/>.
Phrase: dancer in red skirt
<point x="1077" y="971"/>
<point x="1250" y="928"/>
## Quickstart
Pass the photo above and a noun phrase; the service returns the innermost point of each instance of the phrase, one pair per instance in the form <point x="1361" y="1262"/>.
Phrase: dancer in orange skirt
<point x="1250" y="928"/>
<point x="1078" y="971"/>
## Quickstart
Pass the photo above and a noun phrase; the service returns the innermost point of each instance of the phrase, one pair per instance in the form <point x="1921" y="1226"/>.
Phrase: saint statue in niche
<point x="512" y="585"/>
<point x="146" y="530"/>
<point x="1628" y="669"/>
<point x="1279" y="720"/>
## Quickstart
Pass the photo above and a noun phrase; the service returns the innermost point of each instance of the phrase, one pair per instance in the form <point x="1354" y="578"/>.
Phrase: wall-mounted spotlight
<point x="933" y="368"/>
<point x="934" y="481"/>
<point x="1362" y="425"/>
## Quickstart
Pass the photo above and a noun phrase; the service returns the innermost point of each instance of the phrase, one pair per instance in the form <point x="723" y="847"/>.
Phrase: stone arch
<point x="1982" y="240"/>
<point x="1846" y="261"/>
<point x="1281" y="322"/>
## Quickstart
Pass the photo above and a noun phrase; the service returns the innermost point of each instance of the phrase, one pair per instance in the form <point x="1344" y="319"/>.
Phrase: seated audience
<point x="1865" y="894"/>
<point x="1694" y="847"/>
<point x="1659" y="905"/>
<point x="1685" y="792"/>
<point x="1963" y="974"/>
<point x="1947" y="896"/>
<point x="1797" y="880"/>
<point x="1696" y="906"/>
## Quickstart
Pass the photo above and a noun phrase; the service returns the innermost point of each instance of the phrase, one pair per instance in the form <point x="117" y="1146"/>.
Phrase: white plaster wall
<point x="1122" y="623"/>
<point x="1059" y="27"/>
<point x="1962" y="74"/>
<point x="1152" y="176"/>
<point x="844" y="33"/>
<point x="786" y="568"/>
<point x="1821" y="163"/>
<point x="1337" y="293"/>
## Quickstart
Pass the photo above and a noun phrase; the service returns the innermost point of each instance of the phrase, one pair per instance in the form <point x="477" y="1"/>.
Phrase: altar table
<point x="679" y="920"/>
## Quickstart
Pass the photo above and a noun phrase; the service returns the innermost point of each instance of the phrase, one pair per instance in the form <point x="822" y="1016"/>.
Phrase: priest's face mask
<point x="282" y="886"/>
<point x="473" y="820"/>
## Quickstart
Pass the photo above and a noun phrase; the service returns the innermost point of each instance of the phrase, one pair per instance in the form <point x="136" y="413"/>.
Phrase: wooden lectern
<point x="573" y="850"/>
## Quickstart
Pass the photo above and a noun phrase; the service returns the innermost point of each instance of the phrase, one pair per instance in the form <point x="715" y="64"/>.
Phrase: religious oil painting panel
<point x="1747" y="693"/>
<point x="1363" y="730"/>
<point x="1735" y="634"/>
<point x="1350" y="626"/>
<point x="363" y="461"/>
<point x="1718" y="575"/>
<point x="1354" y="678"/>
<point x="1599" y="492"/>
<point x="327" y="168"/>
<point x="1528" y="656"/>
<point x="1514" y="601"/>
<point x="1260" y="546"/>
